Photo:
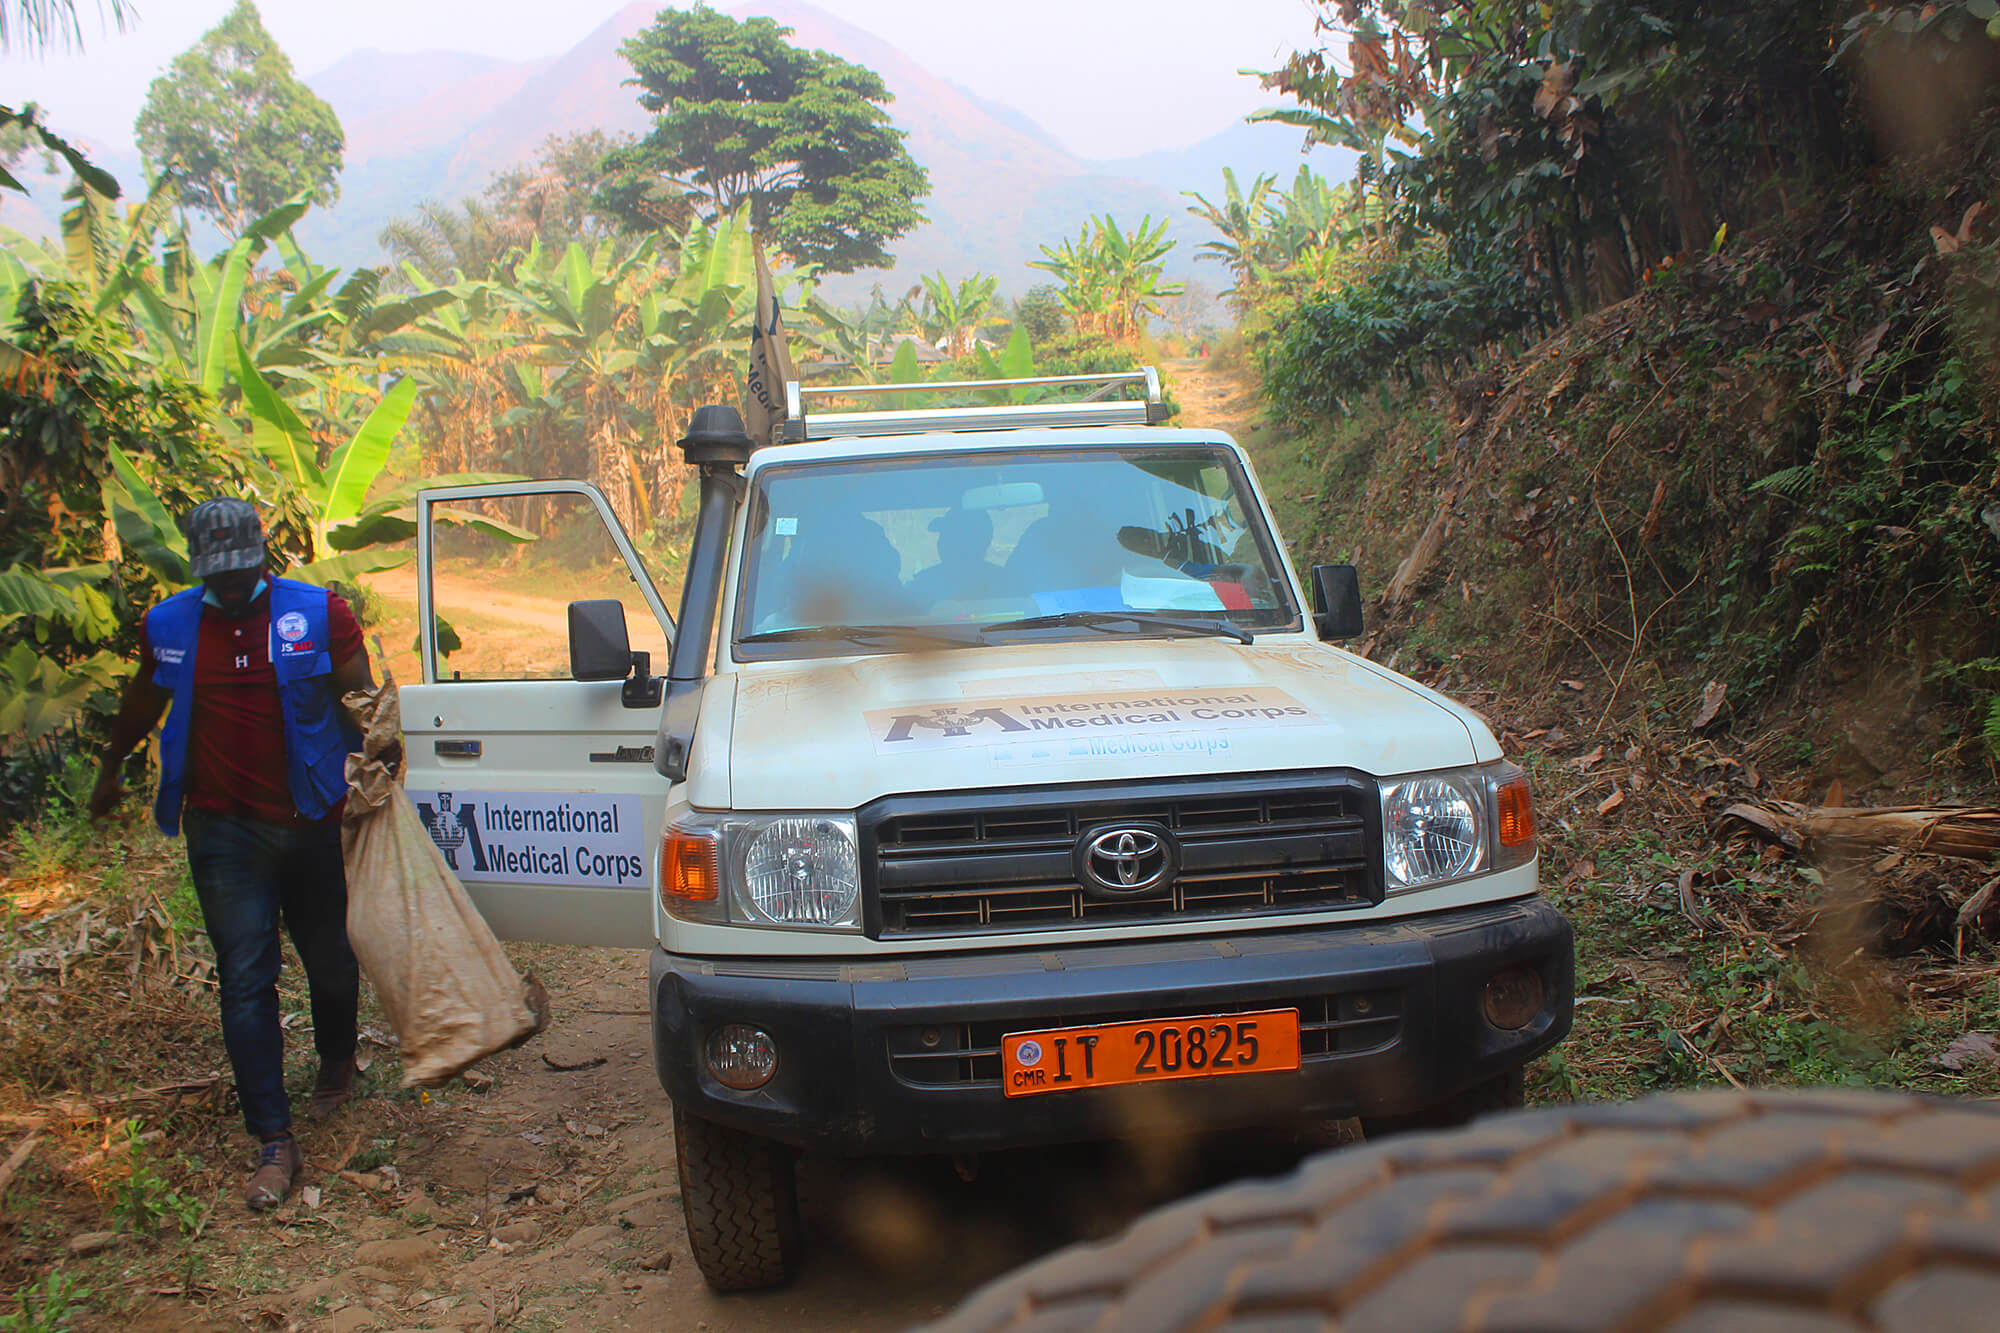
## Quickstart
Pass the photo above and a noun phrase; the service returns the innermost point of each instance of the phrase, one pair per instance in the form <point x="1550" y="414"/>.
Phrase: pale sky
<point x="1108" y="78"/>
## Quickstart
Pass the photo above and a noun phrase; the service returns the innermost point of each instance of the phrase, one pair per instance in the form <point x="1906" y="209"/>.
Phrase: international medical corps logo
<point x="453" y="830"/>
<point x="949" y="720"/>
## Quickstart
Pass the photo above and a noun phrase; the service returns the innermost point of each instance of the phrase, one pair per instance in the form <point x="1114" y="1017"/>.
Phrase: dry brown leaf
<point x="1611" y="802"/>
<point x="1690" y="905"/>
<point x="1972" y="215"/>
<point x="1654" y="513"/>
<point x="1975" y="906"/>
<point x="1866" y="352"/>
<point x="1947" y="244"/>
<point x="1572" y="684"/>
<point x="1836" y="795"/>
<point x="1556" y="86"/>
<point x="1712" y="696"/>
<point x="1594" y="757"/>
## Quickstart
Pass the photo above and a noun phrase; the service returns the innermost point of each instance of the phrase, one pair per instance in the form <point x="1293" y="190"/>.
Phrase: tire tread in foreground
<point x="1818" y="1212"/>
<point x="739" y="1195"/>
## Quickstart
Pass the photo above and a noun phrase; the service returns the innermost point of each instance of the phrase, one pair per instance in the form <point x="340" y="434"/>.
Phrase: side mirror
<point x="1336" y="602"/>
<point x="600" y="649"/>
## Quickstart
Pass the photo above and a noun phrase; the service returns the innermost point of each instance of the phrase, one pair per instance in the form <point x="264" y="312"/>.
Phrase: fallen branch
<point x="1969" y="833"/>
<point x="171" y="1095"/>
<point x="14" y="1160"/>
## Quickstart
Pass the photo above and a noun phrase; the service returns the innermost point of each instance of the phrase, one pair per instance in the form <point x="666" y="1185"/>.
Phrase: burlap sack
<point x="439" y="973"/>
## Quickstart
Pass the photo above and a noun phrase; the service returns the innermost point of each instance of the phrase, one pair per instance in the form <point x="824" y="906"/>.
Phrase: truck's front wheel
<point x="740" y="1196"/>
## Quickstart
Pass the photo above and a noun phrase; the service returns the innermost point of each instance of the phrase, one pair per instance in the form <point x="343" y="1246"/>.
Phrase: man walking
<point x="252" y="770"/>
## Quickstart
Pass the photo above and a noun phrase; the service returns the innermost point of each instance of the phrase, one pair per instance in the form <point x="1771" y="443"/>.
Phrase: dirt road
<point x="547" y="1199"/>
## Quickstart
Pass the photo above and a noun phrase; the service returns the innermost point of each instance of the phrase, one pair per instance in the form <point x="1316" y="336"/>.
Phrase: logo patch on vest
<point x="291" y="626"/>
<point x="169" y="656"/>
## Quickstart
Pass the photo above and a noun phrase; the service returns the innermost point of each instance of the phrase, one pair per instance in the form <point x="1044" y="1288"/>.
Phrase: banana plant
<point x="951" y="316"/>
<point x="1244" y="221"/>
<point x="1111" y="279"/>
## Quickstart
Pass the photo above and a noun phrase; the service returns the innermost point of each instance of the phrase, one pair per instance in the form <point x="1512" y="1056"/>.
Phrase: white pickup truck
<point x="1005" y="787"/>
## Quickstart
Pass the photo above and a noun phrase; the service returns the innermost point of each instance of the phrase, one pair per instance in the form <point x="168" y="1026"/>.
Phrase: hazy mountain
<point x="438" y="124"/>
<point x="1252" y="148"/>
<point x="366" y="82"/>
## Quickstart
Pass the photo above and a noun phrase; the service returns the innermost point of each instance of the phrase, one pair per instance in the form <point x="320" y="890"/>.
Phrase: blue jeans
<point x="248" y="874"/>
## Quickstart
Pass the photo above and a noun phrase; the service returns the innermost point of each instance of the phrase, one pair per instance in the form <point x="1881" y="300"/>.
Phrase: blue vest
<point x="318" y="734"/>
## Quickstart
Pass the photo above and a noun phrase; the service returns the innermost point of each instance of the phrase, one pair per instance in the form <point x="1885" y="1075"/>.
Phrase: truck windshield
<point x="1008" y="542"/>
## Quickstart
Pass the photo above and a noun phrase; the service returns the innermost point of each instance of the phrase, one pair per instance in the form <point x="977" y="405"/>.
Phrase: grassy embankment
<point x="1646" y="514"/>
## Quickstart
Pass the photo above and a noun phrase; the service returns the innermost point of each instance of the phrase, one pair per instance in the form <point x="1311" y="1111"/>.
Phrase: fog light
<point x="1513" y="998"/>
<point x="742" y="1057"/>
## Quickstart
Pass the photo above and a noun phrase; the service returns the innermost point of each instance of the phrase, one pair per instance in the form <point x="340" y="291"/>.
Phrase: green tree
<point x="235" y="129"/>
<point x="743" y="116"/>
<point x="1040" y="312"/>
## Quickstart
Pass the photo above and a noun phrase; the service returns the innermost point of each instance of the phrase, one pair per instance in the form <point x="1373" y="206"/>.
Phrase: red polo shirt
<point x="236" y="729"/>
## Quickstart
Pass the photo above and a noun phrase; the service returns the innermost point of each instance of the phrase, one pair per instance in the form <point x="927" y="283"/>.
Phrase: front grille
<point x="1247" y="847"/>
<point x="967" y="1055"/>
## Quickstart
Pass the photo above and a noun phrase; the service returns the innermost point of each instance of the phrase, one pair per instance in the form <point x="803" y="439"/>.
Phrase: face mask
<point x="208" y="597"/>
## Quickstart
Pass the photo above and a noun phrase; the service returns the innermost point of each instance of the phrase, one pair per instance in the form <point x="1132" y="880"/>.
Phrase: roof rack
<point x="1096" y="408"/>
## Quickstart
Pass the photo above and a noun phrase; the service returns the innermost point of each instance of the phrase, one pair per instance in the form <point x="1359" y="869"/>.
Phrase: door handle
<point x="456" y="749"/>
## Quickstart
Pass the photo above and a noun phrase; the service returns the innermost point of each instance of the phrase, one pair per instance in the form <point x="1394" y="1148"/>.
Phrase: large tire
<point x="1502" y="1092"/>
<point x="1819" y="1212"/>
<point x="740" y="1196"/>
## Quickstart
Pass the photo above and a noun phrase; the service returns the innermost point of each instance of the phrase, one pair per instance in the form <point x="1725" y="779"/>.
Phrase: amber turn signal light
<point x="690" y="870"/>
<point x="1516" y="806"/>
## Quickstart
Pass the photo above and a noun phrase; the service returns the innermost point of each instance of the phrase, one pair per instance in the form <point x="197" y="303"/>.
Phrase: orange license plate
<point x="1154" y="1050"/>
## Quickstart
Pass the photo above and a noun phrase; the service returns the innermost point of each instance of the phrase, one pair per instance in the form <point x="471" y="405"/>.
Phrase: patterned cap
<point x="224" y="535"/>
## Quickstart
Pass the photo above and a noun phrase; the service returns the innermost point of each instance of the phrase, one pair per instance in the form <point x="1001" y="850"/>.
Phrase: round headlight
<point x="741" y="1056"/>
<point x="1430" y="832"/>
<point x="802" y="872"/>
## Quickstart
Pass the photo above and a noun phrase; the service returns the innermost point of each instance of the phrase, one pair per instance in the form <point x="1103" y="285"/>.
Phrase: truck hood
<point x="834" y="734"/>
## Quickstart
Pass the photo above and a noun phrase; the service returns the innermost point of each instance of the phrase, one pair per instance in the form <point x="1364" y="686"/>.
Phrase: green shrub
<point x="1415" y="315"/>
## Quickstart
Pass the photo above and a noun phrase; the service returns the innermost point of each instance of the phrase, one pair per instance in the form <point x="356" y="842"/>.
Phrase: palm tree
<point x="441" y="241"/>
<point x="36" y="25"/>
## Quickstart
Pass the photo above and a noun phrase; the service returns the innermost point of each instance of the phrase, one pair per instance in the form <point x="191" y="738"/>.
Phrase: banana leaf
<point x="276" y="429"/>
<point x="350" y="565"/>
<point x="384" y="525"/>
<point x="144" y="526"/>
<point x="356" y="464"/>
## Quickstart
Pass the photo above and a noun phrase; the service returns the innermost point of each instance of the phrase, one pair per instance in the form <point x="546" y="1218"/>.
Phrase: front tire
<point x="739" y="1194"/>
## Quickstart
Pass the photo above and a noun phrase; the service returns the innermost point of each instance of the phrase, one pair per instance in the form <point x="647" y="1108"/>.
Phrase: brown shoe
<point x="331" y="1089"/>
<point x="277" y="1164"/>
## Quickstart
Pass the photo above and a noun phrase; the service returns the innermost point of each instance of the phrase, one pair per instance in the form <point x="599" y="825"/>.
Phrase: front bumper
<point x="886" y="1057"/>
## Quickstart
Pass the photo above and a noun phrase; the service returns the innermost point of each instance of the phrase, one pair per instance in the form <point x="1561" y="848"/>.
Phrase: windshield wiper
<point x="1107" y="621"/>
<point x="867" y="636"/>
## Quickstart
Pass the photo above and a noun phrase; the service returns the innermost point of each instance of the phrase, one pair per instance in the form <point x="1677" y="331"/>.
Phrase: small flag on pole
<point x="770" y="362"/>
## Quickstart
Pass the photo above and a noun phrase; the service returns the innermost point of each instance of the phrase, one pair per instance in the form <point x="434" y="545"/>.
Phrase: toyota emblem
<point x="1126" y="860"/>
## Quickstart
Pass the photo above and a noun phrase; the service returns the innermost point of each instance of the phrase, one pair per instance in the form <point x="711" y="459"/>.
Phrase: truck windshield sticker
<point x="1069" y="717"/>
<point x="537" y="837"/>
